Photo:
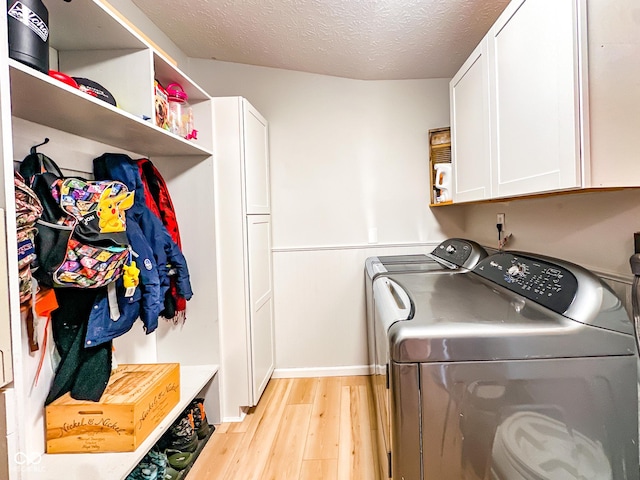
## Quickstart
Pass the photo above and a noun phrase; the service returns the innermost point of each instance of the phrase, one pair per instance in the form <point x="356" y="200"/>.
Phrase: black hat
<point x="95" y="90"/>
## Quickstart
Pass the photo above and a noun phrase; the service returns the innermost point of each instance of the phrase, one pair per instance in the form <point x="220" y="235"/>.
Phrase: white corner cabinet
<point x="88" y="40"/>
<point x="547" y="102"/>
<point x="243" y="232"/>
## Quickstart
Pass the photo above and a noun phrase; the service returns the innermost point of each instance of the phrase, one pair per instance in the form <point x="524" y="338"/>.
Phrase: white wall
<point x="347" y="156"/>
<point x="594" y="230"/>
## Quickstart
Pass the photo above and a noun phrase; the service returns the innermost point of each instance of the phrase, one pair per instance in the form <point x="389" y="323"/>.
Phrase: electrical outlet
<point x="500" y="219"/>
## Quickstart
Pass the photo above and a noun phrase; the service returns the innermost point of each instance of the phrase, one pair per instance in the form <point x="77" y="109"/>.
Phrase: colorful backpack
<point x="28" y="210"/>
<point x="82" y="240"/>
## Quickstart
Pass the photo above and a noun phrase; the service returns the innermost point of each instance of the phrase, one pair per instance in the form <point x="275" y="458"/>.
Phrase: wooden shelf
<point x="535" y="196"/>
<point x="41" y="99"/>
<point x="440" y="204"/>
<point x="113" y="466"/>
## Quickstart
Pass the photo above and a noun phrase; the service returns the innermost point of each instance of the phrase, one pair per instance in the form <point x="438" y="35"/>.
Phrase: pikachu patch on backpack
<point x="111" y="210"/>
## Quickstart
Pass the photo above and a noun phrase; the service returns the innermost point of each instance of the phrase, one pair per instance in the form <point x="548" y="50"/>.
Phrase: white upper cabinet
<point x="535" y="98"/>
<point x="561" y="110"/>
<point x="525" y="103"/>
<point x="256" y="164"/>
<point x="470" y="129"/>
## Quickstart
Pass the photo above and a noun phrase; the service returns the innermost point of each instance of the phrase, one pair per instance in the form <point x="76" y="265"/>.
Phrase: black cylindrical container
<point x="29" y="33"/>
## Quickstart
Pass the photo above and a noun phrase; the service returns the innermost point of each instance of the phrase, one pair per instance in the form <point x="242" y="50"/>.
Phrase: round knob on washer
<point x="514" y="270"/>
<point x="450" y="249"/>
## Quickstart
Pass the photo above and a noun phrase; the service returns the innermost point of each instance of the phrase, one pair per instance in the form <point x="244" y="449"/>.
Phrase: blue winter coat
<point x="115" y="166"/>
<point x="156" y="251"/>
<point x="146" y="302"/>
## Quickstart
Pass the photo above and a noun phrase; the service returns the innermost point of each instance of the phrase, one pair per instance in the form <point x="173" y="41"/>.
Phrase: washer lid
<point x="375" y="266"/>
<point x="468" y="318"/>
<point x="388" y="260"/>
<point x="453" y="253"/>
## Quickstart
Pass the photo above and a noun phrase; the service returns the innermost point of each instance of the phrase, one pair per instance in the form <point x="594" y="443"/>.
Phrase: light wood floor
<point x="302" y="429"/>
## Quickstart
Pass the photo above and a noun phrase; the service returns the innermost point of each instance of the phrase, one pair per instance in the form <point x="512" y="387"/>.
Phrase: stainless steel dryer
<point x="523" y="369"/>
<point x="452" y="255"/>
<point x="455" y="254"/>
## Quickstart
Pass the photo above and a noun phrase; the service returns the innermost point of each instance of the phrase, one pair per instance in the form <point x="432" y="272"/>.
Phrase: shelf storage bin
<point x="138" y="397"/>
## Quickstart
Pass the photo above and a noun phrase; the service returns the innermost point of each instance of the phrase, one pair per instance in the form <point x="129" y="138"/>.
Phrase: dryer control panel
<point x="459" y="252"/>
<point x="548" y="284"/>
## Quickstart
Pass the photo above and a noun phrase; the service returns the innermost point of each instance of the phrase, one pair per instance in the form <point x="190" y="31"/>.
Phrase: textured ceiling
<point x="360" y="39"/>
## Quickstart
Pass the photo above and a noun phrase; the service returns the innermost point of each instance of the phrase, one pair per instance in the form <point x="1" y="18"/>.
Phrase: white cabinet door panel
<point x="262" y="352"/>
<point x="470" y="128"/>
<point x="534" y="77"/>
<point x="256" y="161"/>
<point x="261" y="302"/>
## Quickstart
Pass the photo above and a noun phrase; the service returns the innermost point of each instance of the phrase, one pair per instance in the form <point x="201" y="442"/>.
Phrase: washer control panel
<point x="460" y="252"/>
<point x="543" y="282"/>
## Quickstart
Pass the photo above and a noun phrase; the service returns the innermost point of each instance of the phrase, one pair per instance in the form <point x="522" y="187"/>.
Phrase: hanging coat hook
<point x="33" y="149"/>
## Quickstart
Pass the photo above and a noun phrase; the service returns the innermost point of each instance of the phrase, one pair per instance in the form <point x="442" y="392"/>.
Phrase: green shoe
<point x="171" y="474"/>
<point x="196" y="407"/>
<point x="179" y="460"/>
<point x="180" y="436"/>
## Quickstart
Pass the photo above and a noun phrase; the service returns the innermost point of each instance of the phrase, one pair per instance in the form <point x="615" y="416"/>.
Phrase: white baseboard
<point x="321" y="372"/>
<point x="235" y="419"/>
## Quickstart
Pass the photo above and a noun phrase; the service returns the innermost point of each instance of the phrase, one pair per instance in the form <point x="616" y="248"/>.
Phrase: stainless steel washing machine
<point x="523" y="369"/>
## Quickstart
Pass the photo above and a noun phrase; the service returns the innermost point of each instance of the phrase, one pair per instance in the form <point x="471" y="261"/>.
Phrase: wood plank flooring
<point x="302" y="429"/>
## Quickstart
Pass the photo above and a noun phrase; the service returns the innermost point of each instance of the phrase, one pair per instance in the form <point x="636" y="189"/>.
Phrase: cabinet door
<point x="256" y="161"/>
<point x="470" y="129"/>
<point x="261" y="302"/>
<point x="533" y="50"/>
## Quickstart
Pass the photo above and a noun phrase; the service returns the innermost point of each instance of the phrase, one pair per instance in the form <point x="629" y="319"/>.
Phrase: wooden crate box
<point x="137" y="398"/>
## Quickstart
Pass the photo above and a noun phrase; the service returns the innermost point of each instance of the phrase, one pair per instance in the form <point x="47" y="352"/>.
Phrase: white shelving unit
<point x="119" y="465"/>
<point x="88" y="40"/>
<point x="41" y="99"/>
